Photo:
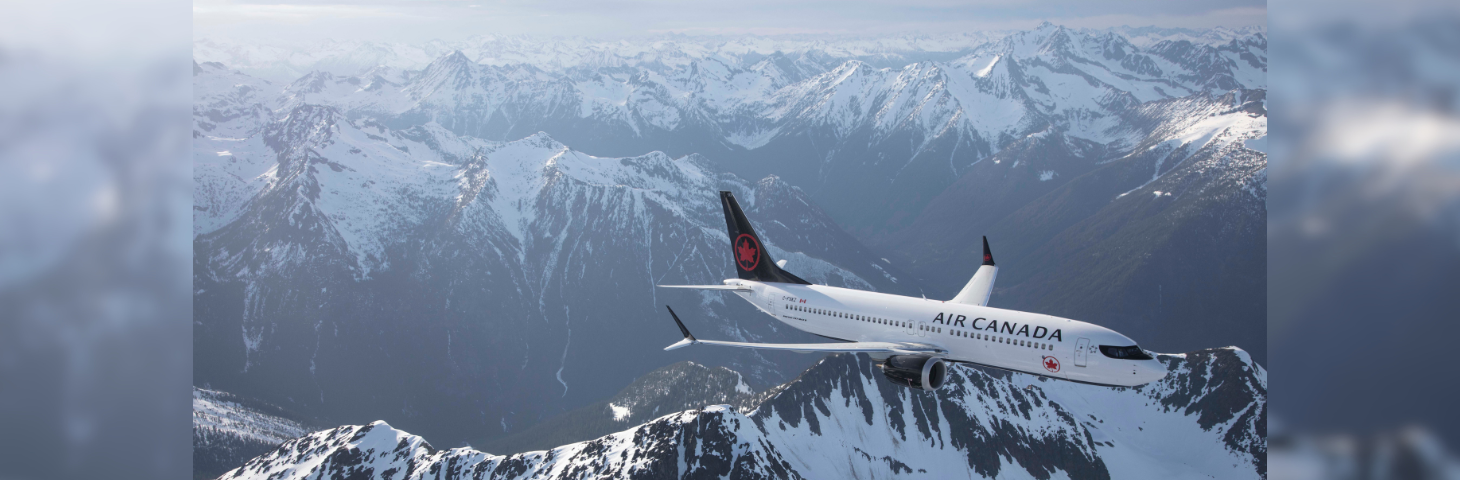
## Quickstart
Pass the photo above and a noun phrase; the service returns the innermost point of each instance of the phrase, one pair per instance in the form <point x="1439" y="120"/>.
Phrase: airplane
<point x="913" y="339"/>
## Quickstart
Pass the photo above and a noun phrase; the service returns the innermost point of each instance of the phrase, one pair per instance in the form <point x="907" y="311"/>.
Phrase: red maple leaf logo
<point x="747" y="252"/>
<point x="1052" y="364"/>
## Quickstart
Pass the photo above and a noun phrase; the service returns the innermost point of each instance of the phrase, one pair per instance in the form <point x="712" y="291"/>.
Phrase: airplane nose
<point x="1152" y="370"/>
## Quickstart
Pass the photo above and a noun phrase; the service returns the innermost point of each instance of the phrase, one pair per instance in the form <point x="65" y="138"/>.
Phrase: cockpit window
<point x="1124" y="353"/>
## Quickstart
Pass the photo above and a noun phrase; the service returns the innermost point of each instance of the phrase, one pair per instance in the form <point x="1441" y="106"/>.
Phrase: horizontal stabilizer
<point x="710" y="287"/>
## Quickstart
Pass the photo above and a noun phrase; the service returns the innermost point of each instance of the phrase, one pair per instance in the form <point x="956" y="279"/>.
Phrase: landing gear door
<point x="1081" y="346"/>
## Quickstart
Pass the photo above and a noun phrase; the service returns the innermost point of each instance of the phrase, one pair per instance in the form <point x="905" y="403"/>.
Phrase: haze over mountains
<point x="463" y="239"/>
<point x="282" y="63"/>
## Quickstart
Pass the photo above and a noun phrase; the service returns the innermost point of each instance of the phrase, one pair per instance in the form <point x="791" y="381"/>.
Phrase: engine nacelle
<point x="916" y="371"/>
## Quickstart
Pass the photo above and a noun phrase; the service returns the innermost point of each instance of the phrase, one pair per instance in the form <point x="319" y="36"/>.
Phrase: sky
<point x="304" y="21"/>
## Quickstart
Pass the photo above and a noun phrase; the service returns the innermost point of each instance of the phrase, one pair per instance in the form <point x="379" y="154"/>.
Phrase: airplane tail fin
<point x="751" y="259"/>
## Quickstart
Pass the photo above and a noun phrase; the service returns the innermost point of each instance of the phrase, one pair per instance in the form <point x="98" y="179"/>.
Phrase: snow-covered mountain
<point x="284" y="63"/>
<point x="839" y="419"/>
<point x="678" y="387"/>
<point x="468" y="245"/>
<point x="344" y="269"/>
<point x="1140" y="242"/>
<point x="561" y="54"/>
<point x="229" y="430"/>
<point x="871" y="139"/>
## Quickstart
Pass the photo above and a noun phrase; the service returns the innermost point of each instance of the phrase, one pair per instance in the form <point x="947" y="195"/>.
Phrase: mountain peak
<point x="455" y="60"/>
<point x="456" y="56"/>
<point x="983" y="419"/>
<point x="305" y="123"/>
<point x="312" y="82"/>
<point x="453" y="70"/>
<point x="540" y="139"/>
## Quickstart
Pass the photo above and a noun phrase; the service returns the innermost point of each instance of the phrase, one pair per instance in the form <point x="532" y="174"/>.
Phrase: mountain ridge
<point x="353" y="254"/>
<point x="985" y="422"/>
<point x="428" y="249"/>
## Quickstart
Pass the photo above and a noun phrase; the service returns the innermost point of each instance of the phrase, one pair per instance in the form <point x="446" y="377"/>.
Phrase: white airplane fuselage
<point x="1008" y="339"/>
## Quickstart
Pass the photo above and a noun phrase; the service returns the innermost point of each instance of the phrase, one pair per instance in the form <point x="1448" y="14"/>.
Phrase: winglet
<point x="988" y="256"/>
<point x="689" y="339"/>
<point x="978" y="289"/>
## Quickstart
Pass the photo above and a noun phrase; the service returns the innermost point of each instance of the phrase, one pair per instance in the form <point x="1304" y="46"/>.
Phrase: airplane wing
<point x="845" y="347"/>
<point x="710" y="287"/>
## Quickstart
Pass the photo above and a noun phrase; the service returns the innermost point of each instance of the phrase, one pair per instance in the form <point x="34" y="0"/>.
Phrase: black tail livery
<point x="752" y="261"/>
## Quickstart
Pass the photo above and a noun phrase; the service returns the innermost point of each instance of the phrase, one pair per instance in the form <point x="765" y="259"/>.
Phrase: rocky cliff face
<point x="840" y="419"/>
<point x="467" y="287"/>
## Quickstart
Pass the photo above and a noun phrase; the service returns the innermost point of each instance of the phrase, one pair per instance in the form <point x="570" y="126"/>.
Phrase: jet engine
<point x="916" y="371"/>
